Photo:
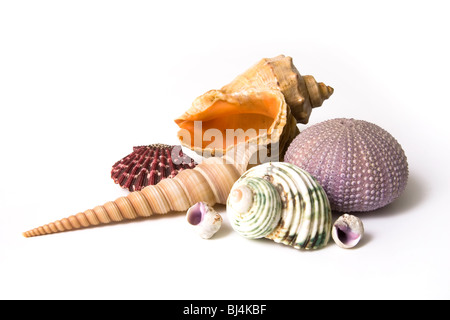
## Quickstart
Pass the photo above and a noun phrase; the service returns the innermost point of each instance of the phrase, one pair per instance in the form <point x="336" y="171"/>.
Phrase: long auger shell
<point x="209" y="182"/>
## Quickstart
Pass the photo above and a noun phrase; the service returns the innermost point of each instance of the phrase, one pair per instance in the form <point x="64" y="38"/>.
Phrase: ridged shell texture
<point x="209" y="182"/>
<point x="360" y="165"/>
<point x="148" y="165"/>
<point x="260" y="106"/>
<point x="283" y="203"/>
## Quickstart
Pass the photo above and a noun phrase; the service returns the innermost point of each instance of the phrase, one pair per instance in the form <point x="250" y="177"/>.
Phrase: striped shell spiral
<point x="281" y="202"/>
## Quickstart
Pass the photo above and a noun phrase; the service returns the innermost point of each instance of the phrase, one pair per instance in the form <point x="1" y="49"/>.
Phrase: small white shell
<point x="205" y="220"/>
<point x="347" y="231"/>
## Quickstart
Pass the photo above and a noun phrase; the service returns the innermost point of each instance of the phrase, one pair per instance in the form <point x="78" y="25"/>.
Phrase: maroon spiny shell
<point x="360" y="165"/>
<point x="147" y="165"/>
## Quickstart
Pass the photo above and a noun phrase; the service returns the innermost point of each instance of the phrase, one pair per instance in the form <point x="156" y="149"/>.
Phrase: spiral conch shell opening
<point x="281" y="202"/>
<point x="262" y="106"/>
<point x="256" y="205"/>
<point x="219" y="121"/>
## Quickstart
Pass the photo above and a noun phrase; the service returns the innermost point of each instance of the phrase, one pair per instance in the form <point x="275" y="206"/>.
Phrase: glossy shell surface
<point x="348" y="231"/>
<point x="288" y="206"/>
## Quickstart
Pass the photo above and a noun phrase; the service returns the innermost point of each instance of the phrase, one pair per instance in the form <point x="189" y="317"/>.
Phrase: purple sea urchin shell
<point x="147" y="165"/>
<point x="360" y="165"/>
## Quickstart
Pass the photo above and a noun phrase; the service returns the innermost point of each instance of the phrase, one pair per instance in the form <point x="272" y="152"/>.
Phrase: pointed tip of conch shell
<point x="318" y="91"/>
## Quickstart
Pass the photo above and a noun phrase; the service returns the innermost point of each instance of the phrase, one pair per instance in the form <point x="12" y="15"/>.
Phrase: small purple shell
<point x="196" y="213"/>
<point x="347" y="231"/>
<point x="204" y="219"/>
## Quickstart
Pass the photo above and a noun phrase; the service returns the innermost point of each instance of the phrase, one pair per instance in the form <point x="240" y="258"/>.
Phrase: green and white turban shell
<point x="281" y="202"/>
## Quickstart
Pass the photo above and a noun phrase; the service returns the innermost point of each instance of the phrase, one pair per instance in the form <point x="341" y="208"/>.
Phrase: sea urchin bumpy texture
<point x="147" y="165"/>
<point x="360" y="165"/>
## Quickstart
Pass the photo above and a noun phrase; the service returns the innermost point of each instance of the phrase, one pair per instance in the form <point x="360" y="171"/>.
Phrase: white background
<point x="82" y="82"/>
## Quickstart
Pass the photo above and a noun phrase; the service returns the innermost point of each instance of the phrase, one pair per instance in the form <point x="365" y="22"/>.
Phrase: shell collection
<point x="344" y="165"/>
<point x="283" y="203"/>
<point x="148" y="165"/>
<point x="205" y="220"/>
<point x="360" y="165"/>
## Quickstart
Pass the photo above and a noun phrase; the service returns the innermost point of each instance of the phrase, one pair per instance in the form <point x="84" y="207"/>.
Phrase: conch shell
<point x="302" y="93"/>
<point x="283" y="203"/>
<point x="209" y="182"/>
<point x="262" y="106"/>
